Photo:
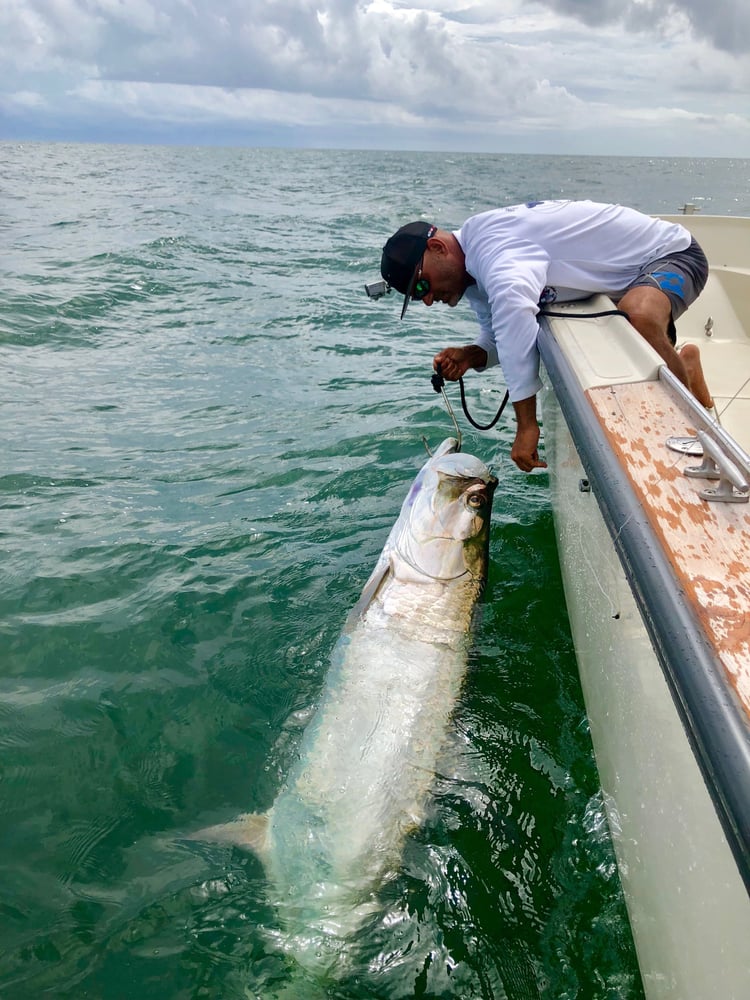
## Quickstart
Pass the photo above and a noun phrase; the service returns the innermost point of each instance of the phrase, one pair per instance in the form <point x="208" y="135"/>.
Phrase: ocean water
<point x="208" y="431"/>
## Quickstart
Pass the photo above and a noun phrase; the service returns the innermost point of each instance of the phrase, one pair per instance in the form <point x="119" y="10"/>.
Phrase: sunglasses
<point x="421" y="286"/>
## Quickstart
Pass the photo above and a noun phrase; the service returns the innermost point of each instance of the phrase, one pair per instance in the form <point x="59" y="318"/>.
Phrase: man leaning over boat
<point x="511" y="262"/>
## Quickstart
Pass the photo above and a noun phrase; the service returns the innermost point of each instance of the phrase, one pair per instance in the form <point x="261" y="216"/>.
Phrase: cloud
<point x="24" y="100"/>
<point x="374" y="53"/>
<point x="724" y="23"/>
<point x="178" y="103"/>
<point x="491" y="68"/>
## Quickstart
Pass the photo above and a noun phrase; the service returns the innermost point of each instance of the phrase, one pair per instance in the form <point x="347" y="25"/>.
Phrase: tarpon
<point x="366" y="762"/>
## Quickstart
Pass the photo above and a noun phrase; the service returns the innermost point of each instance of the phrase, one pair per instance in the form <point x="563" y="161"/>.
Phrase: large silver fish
<point x="366" y="762"/>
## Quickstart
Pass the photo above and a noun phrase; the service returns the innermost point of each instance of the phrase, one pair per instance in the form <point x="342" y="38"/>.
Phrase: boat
<point x="650" y="500"/>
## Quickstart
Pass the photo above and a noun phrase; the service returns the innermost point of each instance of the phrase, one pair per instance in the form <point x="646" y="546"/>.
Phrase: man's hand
<point x="524" y="451"/>
<point x="454" y="362"/>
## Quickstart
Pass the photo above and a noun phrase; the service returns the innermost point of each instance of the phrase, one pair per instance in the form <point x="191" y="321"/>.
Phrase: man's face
<point x="446" y="277"/>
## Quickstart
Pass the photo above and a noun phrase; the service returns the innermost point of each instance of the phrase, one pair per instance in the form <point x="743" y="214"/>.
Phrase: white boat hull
<point x="670" y="719"/>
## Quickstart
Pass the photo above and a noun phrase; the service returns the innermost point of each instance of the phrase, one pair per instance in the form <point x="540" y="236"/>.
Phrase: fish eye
<point x="476" y="500"/>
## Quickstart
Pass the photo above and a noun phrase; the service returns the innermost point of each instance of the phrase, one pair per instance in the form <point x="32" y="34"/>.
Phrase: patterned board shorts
<point x="681" y="276"/>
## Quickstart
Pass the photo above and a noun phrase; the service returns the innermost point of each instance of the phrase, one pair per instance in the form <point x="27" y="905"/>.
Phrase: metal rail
<point x="723" y="458"/>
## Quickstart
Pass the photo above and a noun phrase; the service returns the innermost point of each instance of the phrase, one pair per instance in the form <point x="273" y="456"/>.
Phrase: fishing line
<point x="438" y="382"/>
<point x="572" y="315"/>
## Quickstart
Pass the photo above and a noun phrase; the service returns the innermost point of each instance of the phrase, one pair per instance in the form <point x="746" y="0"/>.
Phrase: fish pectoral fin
<point x="249" y="831"/>
<point x="367" y="596"/>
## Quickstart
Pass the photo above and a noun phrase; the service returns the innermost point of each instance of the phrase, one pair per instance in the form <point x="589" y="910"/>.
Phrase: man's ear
<point x="437" y="245"/>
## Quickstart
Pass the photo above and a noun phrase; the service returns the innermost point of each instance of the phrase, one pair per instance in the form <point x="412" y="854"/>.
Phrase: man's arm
<point x="454" y="362"/>
<point x="524" y="451"/>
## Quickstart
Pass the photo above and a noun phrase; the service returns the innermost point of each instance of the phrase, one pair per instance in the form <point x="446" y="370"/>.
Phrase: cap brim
<point x="409" y="290"/>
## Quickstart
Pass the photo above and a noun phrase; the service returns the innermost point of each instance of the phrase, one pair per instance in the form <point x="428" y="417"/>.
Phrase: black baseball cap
<point x="401" y="256"/>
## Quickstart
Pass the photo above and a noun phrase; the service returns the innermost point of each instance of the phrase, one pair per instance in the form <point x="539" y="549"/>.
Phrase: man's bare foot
<point x="691" y="357"/>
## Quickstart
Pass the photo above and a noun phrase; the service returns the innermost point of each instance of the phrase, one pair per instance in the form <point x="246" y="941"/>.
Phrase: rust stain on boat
<point x="706" y="543"/>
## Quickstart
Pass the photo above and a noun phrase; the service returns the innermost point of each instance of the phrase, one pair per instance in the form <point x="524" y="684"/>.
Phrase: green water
<point x="208" y="432"/>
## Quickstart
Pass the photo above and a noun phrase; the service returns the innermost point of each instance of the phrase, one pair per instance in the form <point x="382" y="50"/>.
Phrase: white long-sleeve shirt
<point x="569" y="248"/>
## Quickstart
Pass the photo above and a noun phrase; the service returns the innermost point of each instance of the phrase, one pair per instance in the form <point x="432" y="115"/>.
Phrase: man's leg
<point x="650" y="311"/>
<point x="691" y="358"/>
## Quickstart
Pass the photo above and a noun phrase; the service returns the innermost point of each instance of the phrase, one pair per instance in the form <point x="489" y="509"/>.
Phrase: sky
<point x="622" y="77"/>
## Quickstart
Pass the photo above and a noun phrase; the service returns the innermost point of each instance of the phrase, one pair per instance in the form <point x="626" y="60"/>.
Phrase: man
<point x="510" y="262"/>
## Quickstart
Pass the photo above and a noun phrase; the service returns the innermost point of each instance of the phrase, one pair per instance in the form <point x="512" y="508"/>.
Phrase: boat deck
<point x="708" y="542"/>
